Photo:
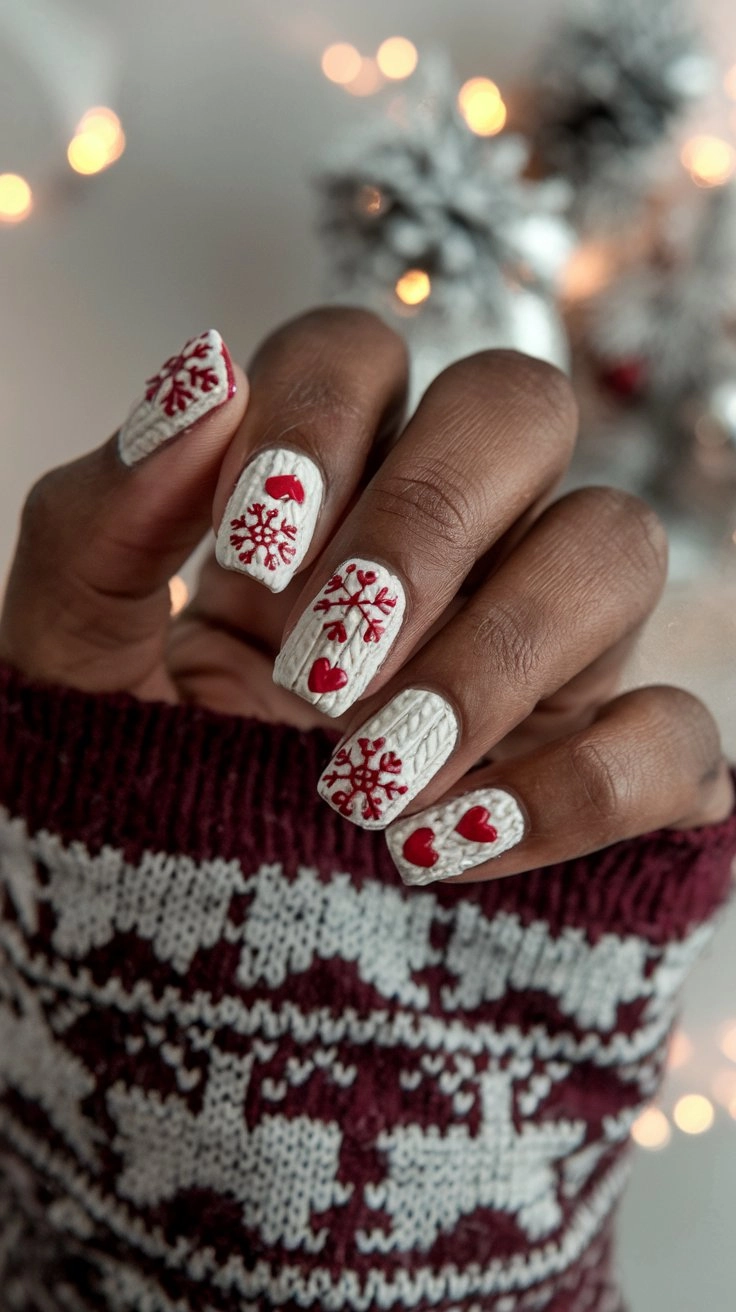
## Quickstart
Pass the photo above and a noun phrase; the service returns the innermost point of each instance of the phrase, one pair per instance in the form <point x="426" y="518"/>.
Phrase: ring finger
<point x="586" y="574"/>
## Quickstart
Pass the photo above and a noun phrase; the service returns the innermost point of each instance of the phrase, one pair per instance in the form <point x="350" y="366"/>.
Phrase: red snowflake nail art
<point x="183" y="377"/>
<point x="265" y="540"/>
<point x="352" y="621"/>
<point x="255" y="531"/>
<point x="369" y="608"/>
<point x="376" y="771"/>
<point x="370" y="779"/>
<point x="187" y="387"/>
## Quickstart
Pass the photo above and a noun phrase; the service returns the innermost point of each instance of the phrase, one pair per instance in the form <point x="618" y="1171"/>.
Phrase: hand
<point x="432" y="599"/>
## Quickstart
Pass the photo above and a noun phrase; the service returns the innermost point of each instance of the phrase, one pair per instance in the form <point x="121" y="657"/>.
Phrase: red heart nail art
<point x="324" y="677"/>
<point x="474" y="825"/>
<point x="418" y="848"/>
<point x="285" y="487"/>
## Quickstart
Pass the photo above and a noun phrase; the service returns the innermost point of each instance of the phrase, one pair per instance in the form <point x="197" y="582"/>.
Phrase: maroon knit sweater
<point x="242" y="1067"/>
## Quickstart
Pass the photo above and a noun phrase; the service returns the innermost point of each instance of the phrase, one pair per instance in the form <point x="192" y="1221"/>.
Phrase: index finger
<point x="323" y="389"/>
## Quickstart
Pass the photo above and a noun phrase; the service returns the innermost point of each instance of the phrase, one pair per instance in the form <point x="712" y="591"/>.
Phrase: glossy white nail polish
<point x="186" y="388"/>
<point x="269" y="520"/>
<point x="343" y="637"/>
<point x="376" y="772"/>
<point x="446" y="840"/>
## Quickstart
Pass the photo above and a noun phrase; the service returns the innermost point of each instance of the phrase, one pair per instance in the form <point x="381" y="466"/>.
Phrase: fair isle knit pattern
<point x="242" y="1067"/>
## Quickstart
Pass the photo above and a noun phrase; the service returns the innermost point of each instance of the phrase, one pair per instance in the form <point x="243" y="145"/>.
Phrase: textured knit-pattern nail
<point x="445" y="840"/>
<point x="199" y="379"/>
<point x="377" y="770"/>
<point x="343" y="637"/>
<point x="269" y="520"/>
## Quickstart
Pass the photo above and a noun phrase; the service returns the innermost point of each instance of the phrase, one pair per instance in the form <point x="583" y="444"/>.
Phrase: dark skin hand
<point x="521" y="609"/>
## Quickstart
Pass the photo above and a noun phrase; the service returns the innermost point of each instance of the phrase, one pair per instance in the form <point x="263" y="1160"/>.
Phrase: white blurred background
<point x="207" y="219"/>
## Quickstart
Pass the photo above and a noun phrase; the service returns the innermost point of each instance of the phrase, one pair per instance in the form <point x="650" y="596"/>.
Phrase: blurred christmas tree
<point x="583" y="236"/>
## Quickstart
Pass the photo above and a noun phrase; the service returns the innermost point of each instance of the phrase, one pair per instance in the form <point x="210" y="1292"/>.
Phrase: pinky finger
<point x="651" y="759"/>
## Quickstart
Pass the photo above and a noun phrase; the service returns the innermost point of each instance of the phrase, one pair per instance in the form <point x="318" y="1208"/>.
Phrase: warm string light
<point x="16" y="198"/>
<point x="651" y="1129"/>
<point x="710" y="161"/>
<point x="729" y="82"/>
<point x="363" y="75"/>
<point x="98" y="141"/>
<point x="589" y="269"/>
<point x="341" y="63"/>
<point x="680" y="1050"/>
<point x="693" y="1113"/>
<point x="728" y="1042"/>
<point x="178" y="594"/>
<point x="367" y="80"/>
<point x="413" y="287"/>
<point x="481" y="105"/>
<point x="397" y="58"/>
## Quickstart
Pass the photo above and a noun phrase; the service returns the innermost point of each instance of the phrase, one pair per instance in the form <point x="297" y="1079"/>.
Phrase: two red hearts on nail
<point x="474" y="825"/>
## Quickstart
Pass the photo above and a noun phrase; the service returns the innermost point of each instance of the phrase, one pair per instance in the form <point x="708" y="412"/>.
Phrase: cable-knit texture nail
<point x="376" y="772"/>
<point x="446" y="840"/>
<point x="269" y="520"/>
<point x="186" y="388"/>
<point x="343" y="636"/>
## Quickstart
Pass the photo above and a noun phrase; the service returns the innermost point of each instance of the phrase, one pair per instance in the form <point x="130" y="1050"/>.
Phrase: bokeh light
<point x="481" y="105"/>
<point x="16" y="198"/>
<point x="709" y="160"/>
<point x="367" y="80"/>
<point x="723" y="1087"/>
<point x="178" y="594"/>
<point x="729" y="82"/>
<point x="397" y="57"/>
<point x="728" y="1042"/>
<point x="589" y="269"/>
<point x="98" y="142"/>
<point x="693" y="1114"/>
<point x="413" y="287"/>
<point x="341" y="63"/>
<point x="680" y="1050"/>
<point x="651" y="1129"/>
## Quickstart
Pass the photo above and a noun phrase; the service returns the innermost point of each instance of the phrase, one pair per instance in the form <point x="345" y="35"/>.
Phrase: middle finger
<point x="490" y="438"/>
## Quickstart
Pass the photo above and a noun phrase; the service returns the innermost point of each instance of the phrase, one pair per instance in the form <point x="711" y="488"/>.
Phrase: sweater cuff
<point x="109" y="770"/>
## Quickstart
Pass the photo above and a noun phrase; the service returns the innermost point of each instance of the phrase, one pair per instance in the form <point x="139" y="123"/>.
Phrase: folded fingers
<point x="587" y="573"/>
<point x="652" y="758"/>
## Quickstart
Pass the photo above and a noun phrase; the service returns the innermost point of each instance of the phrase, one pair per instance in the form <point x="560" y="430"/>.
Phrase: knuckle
<point x="622" y="520"/>
<point x="525" y="392"/>
<point x="509" y="639"/>
<point x="38" y="523"/>
<point x="338" y="329"/>
<point x="607" y="776"/>
<point x="434" y="501"/>
<point x="689" y="727"/>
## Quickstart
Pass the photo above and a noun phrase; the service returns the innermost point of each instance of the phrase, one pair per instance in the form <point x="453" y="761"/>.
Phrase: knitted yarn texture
<point x="242" y="1067"/>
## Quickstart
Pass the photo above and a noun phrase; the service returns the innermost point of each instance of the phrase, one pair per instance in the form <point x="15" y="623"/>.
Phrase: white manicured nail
<point x="343" y="637"/>
<point x="199" y="379"/>
<point x="377" y="770"/>
<point x="445" y="840"/>
<point x="269" y="520"/>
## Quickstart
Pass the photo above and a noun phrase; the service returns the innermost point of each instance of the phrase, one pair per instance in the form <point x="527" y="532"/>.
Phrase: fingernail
<point x="187" y="387"/>
<point x="377" y="770"/>
<point x="269" y="520"/>
<point x="343" y="637"/>
<point x="445" y="840"/>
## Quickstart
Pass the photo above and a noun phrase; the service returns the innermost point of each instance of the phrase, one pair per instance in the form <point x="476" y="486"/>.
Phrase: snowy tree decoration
<point x="673" y="312"/>
<point x="424" y="193"/>
<point x="612" y="82"/>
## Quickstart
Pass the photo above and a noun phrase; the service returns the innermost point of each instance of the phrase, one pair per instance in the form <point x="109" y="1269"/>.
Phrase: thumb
<point x="87" y="601"/>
